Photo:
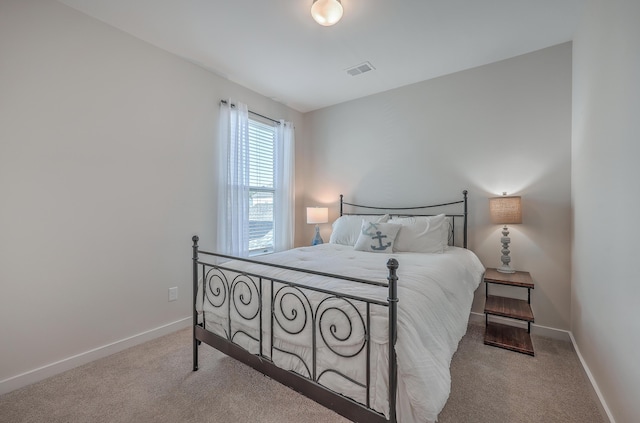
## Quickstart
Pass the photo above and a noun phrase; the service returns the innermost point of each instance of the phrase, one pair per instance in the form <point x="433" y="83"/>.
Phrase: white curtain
<point x="233" y="180"/>
<point x="284" y="201"/>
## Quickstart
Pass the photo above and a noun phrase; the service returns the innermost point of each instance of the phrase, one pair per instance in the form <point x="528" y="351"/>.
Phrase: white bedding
<point x="435" y="293"/>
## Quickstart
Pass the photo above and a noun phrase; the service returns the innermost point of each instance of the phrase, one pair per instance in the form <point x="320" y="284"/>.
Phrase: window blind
<point x="261" y="187"/>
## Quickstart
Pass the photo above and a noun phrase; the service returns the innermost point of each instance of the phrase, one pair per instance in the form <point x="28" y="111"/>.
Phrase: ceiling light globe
<point x="326" y="12"/>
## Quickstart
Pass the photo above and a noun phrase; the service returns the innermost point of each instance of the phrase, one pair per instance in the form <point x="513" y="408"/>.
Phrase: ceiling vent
<point x="361" y="68"/>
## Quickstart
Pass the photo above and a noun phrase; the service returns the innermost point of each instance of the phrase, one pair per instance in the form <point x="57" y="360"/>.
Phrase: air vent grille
<point x="360" y="69"/>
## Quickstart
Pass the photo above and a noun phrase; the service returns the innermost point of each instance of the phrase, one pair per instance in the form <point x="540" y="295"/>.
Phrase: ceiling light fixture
<point x="326" y="12"/>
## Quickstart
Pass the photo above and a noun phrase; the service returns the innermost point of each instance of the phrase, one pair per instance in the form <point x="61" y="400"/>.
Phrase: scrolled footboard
<point x="315" y="340"/>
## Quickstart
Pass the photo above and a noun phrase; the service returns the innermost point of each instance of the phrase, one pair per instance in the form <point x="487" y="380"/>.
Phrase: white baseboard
<point x="36" y="375"/>
<point x="601" y="402"/>
<point x="562" y="335"/>
<point x="559" y="334"/>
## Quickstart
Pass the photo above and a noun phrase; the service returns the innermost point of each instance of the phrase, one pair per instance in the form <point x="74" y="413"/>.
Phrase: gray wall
<point x="106" y="153"/>
<point x="605" y="174"/>
<point x="500" y="127"/>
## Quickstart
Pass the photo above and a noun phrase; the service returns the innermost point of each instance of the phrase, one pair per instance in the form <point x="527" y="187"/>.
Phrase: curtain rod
<point x="254" y="113"/>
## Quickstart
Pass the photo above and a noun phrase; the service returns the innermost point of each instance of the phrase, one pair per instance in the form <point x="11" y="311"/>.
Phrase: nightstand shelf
<point x="508" y="307"/>
<point x="505" y="336"/>
<point x="508" y="337"/>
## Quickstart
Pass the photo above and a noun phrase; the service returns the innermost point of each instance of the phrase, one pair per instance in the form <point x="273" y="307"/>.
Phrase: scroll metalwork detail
<point x="343" y="328"/>
<point x="246" y="297"/>
<point x="293" y="308"/>
<point x="215" y="289"/>
<point x="324" y="320"/>
<point x="329" y="320"/>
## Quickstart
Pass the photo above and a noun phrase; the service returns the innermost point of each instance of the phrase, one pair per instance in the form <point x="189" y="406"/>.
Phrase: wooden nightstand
<point x="506" y="336"/>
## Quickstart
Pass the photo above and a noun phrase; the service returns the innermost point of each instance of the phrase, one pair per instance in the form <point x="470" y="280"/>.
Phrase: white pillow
<point x="347" y="228"/>
<point x="377" y="237"/>
<point x="422" y="234"/>
<point x="447" y="228"/>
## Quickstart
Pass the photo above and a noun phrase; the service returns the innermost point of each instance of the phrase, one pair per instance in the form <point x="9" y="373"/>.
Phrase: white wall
<point x="605" y="174"/>
<point x="500" y="127"/>
<point x="106" y="152"/>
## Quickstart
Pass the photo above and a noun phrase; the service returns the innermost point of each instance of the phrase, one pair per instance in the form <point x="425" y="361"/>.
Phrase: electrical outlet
<point x="173" y="293"/>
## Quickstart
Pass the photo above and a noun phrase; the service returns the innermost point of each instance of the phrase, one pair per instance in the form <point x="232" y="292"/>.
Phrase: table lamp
<point x="505" y="210"/>
<point x="316" y="215"/>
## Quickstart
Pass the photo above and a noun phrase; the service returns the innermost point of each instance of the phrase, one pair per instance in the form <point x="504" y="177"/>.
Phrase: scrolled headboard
<point x="410" y="211"/>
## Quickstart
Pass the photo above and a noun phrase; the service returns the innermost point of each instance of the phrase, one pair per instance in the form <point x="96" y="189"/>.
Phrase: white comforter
<point x="435" y="293"/>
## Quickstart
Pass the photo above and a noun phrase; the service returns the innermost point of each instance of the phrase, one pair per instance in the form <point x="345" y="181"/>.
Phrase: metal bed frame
<point x="222" y="291"/>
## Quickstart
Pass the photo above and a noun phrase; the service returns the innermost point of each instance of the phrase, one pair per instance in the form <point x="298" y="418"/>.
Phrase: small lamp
<point x="326" y="12"/>
<point x="317" y="215"/>
<point x="505" y="210"/>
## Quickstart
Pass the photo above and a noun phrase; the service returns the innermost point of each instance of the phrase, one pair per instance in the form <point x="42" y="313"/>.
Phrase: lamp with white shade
<point x="317" y="215"/>
<point x="505" y="210"/>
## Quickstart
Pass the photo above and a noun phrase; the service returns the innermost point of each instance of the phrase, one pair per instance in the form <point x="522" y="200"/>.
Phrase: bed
<point x="330" y="321"/>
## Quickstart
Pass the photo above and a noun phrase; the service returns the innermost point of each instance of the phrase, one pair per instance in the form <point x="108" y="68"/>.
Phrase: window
<point x="256" y="192"/>
<point x="261" y="187"/>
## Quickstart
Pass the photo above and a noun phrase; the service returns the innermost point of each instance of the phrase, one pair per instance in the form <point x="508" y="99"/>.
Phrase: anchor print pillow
<point x="377" y="237"/>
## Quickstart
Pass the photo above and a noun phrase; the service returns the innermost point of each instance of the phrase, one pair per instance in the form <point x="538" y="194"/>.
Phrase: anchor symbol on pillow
<point x="379" y="238"/>
<point x="378" y="235"/>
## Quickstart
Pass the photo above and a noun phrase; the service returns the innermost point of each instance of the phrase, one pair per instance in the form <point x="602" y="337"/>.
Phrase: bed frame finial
<point x="392" y="264"/>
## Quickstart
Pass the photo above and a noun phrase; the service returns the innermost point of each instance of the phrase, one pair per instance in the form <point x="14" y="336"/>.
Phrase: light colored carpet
<point x="490" y="384"/>
<point x="153" y="382"/>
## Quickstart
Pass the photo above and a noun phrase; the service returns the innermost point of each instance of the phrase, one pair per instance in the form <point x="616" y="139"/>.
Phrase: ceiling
<point x="275" y="48"/>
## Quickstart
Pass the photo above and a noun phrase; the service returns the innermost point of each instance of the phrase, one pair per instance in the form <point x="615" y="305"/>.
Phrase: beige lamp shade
<point x="317" y="215"/>
<point x="505" y="210"/>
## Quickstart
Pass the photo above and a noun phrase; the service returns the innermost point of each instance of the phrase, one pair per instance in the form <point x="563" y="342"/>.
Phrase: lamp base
<point x="505" y="240"/>
<point x="506" y="269"/>
<point x="317" y="239"/>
